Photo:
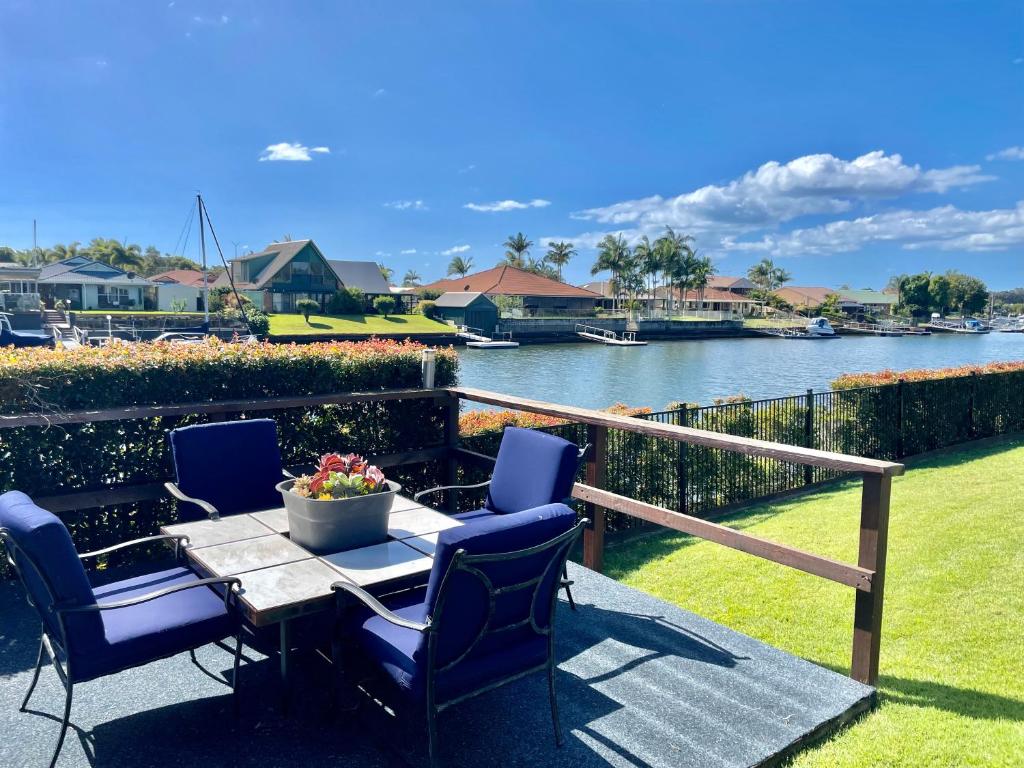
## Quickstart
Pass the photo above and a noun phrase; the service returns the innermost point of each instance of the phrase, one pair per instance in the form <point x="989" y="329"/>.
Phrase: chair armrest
<point x="377" y="607"/>
<point x="230" y="580"/>
<point x="416" y="497"/>
<point x="288" y="475"/>
<point x="178" y="538"/>
<point x="206" y="506"/>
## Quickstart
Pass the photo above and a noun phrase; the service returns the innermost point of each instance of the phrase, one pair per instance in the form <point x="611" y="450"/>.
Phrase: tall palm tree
<point x="648" y="261"/>
<point x="704" y="270"/>
<point x="386" y="272"/>
<point x="559" y="254"/>
<point x="683" y="273"/>
<point x="612" y="255"/>
<point x="460" y="265"/>
<point x="59" y="252"/>
<point x="768" y="278"/>
<point x="673" y="248"/>
<point x="517" y="246"/>
<point x="411" y="278"/>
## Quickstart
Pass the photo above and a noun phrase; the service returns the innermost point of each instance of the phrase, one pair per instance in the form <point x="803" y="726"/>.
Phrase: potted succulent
<point x="344" y="505"/>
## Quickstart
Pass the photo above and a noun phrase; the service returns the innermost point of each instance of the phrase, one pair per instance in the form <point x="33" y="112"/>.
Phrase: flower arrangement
<point x="340" y="477"/>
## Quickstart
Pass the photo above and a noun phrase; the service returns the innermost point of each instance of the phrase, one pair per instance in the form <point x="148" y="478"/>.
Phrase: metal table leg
<point x="283" y="652"/>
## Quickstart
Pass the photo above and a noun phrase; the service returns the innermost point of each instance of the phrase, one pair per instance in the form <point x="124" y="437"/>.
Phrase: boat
<point x="605" y="336"/>
<point x="968" y="325"/>
<point x="476" y="339"/>
<point x="21" y="338"/>
<point x="181" y="337"/>
<point x="820" y="327"/>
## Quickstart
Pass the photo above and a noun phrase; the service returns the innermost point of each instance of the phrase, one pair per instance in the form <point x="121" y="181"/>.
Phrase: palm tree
<point x="386" y="272"/>
<point x="673" y="248"/>
<point x="559" y="254"/>
<point x="648" y="260"/>
<point x="412" y="277"/>
<point x="460" y="265"/>
<point x="60" y="252"/>
<point x="702" y="275"/>
<point x="768" y="278"/>
<point x="612" y="255"/>
<point x="517" y="247"/>
<point x="683" y="273"/>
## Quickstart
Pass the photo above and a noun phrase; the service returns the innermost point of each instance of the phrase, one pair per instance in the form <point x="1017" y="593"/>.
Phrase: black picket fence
<point x="884" y="422"/>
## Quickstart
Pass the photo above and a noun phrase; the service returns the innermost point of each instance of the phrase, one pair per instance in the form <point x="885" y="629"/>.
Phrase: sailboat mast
<point x="202" y="249"/>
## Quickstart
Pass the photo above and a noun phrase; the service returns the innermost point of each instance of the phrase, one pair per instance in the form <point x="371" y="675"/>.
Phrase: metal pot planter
<point x="335" y="525"/>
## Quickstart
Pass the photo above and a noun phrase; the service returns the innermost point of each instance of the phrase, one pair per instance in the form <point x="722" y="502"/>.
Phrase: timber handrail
<point x="746" y="445"/>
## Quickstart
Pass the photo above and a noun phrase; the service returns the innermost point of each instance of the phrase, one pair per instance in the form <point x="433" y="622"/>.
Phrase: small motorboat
<point x="820" y="328"/>
<point x="21" y="338"/>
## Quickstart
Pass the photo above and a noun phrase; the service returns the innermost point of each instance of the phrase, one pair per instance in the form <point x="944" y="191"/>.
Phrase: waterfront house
<point x="83" y="283"/>
<point x="522" y="293"/>
<point x="19" y="289"/>
<point x="362" y="275"/>
<point x="740" y="285"/>
<point x="472" y="309"/>
<point x="853" y="302"/>
<point x="869" y="300"/>
<point x="282" y="274"/>
<point x="191" y="277"/>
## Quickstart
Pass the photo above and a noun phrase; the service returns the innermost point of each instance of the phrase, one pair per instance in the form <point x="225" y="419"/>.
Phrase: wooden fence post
<point x="809" y="434"/>
<point x="867" y="614"/>
<point x="593" y="537"/>
<point x="451" y="441"/>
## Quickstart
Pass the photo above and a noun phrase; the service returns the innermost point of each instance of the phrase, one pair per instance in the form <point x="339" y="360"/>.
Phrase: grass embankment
<point x="368" y="325"/>
<point x="951" y="686"/>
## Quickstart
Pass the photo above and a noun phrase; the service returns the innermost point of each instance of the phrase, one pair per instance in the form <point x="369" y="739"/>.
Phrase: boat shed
<point x="472" y="309"/>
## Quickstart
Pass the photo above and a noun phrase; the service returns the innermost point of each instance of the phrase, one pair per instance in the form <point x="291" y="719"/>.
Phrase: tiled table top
<point x="280" y="579"/>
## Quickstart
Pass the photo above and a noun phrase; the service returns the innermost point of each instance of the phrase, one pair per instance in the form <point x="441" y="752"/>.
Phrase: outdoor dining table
<point x="282" y="581"/>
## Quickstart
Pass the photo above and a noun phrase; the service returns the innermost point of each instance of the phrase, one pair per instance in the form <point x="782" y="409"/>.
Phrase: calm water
<point x="593" y="375"/>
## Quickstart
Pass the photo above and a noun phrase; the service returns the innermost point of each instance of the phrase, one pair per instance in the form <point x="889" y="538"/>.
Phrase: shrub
<point x="385" y="305"/>
<point x="258" y="321"/>
<point x="349" y="301"/>
<point x="307" y="307"/>
<point x="851" y="380"/>
<point x="53" y="460"/>
<point x="427" y="308"/>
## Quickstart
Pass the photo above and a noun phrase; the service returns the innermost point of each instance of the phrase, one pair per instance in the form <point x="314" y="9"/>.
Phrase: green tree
<point x="914" y="294"/>
<point x="613" y="256"/>
<point x="411" y="278"/>
<point x="516" y="248"/>
<point x="386" y="272"/>
<point x="966" y="293"/>
<point x="385" y="305"/>
<point x="648" y="262"/>
<point x="938" y="293"/>
<point x="704" y="269"/>
<point x="307" y="307"/>
<point x="127" y="256"/>
<point x="684" y="272"/>
<point x="460" y="265"/>
<point x="768" y="278"/>
<point x="559" y="254"/>
<point x="672" y="248"/>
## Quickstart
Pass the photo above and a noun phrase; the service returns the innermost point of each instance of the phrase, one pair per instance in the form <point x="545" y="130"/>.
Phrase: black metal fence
<point x="883" y="422"/>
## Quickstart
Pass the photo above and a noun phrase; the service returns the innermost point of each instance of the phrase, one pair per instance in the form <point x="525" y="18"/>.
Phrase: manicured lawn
<point x="761" y="322"/>
<point x="952" y="664"/>
<point x="293" y="325"/>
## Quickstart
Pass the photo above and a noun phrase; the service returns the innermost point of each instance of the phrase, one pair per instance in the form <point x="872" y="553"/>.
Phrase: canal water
<point x="596" y="376"/>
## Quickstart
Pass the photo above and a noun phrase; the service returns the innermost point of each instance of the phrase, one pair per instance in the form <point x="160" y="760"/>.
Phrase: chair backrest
<point x="234" y="465"/>
<point x="532" y="469"/>
<point x="40" y="548"/>
<point x="493" y="583"/>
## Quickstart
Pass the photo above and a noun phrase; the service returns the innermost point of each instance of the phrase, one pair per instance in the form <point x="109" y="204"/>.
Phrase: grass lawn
<point x="952" y="665"/>
<point x="295" y="325"/>
<point x="762" y="322"/>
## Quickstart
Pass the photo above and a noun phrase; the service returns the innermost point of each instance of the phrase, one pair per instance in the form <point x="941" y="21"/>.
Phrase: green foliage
<point x="349" y="301"/>
<point x="50" y="460"/>
<point x="924" y="293"/>
<point x="428" y="295"/>
<point x="426" y="308"/>
<point x="460" y="265"/>
<point x="307" y="307"/>
<point x="385" y="305"/>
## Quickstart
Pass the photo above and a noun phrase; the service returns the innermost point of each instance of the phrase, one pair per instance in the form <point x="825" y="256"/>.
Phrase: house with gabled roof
<point x="83" y="283"/>
<point x="538" y="294"/>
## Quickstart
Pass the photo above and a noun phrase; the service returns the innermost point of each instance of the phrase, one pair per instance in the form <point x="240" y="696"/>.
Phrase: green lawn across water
<point x="296" y="325"/>
<point x="952" y="664"/>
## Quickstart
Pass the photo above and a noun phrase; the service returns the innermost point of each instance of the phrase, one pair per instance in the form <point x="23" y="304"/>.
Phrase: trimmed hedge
<point x="43" y="461"/>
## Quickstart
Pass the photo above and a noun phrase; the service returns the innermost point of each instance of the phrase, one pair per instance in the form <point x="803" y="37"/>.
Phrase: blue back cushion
<point x="532" y="469"/>
<point x="466" y="602"/>
<point x="47" y="542"/>
<point x="234" y="465"/>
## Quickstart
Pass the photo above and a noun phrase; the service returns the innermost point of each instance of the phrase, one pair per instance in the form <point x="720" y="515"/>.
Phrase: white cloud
<point x="777" y="192"/>
<point x="1010" y="153"/>
<point x="408" y="251"/>
<point x="382" y="254"/>
<point x="379" y="93"/>
<point x="945" y="228"/>
<point x="455" y="249"/>
<point x="291" y="152"/>
<point x="468" y="168"/>
<point x="211" y="20"/>
<point x="500" y="206"/>
<point x="407" y="205"/>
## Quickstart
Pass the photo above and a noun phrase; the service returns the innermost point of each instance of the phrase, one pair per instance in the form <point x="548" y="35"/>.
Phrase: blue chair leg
<point x="432" y="736"/>
<point x="35" y="675"/>
<point x="234" y="672"/>
<point x="63" y="725"/>
<point x="554" y="701"/>
<point x="566" y="584"/>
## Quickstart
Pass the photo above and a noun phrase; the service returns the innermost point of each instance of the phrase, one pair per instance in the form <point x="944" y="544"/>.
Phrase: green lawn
<point x="952" y="664"/>
<point x="294" y="325"/>
<point x="761" y="322"/>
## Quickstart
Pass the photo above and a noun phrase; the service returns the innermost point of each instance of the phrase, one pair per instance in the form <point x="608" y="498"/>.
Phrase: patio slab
<point x="640" y="682"/>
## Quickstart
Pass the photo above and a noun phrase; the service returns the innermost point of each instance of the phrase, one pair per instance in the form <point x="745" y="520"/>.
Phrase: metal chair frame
<point x="54" y="647"/>
<point x="467" y="563"/>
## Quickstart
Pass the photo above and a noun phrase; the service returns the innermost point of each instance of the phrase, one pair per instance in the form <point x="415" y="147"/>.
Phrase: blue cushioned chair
<point x="485" y="618"/>
<point x="93" y="632"/>
<point x="532" y="469"/>
<point x="205" y="455"/>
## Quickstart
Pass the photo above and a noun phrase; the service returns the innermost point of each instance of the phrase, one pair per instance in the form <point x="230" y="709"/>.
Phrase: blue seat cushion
<point x="476" y="514"/>
<point x="152" y="630"/>
<point x="208" y="456"/>
<point x="532" y="469"/>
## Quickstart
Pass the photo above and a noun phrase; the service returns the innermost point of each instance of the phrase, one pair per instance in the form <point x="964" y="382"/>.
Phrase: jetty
<point x="874" y="329"/>
<point x="475" y="338"/>
<point x="605" y="336"/>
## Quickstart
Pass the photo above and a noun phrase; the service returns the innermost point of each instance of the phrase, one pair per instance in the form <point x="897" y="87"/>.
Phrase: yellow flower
<point x="324" y="497"/>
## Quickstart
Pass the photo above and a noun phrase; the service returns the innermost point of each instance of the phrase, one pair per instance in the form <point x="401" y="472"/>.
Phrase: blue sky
<point x="848" y="141"/>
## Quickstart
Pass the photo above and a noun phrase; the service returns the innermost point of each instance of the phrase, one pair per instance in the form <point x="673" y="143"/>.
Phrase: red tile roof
<point x="804" y="296"/>
<point x="509" y="281"/>
<point x="710" y="294"/>
<point x="191" y="277"/>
